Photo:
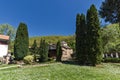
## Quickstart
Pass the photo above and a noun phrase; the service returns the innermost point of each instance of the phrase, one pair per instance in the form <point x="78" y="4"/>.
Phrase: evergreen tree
<point x="83" y="33"/>
<point x="77" y="45"/>
<point x="21" y="42"/>
<point x="34" y="49"/>
<point x="59" y="51"/>
<point x="93" y="35"/>
<point x="43" y="51"/>
<point x="110" y="11"/>
<point x="81" y="38"/>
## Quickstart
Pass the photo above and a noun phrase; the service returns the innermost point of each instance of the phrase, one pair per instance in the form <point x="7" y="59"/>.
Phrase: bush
<point x="113" y="60"/>
<point x="51" y="60"/>
<point x="29" y="59"/>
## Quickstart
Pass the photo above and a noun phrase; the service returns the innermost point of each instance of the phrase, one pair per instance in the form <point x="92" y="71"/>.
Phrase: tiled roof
<point x="4" y="37"/>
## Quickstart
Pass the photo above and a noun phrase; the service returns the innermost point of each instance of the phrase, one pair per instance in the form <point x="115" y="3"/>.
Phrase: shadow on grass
<point x="71" y="62"/>
<point x="77" y="63"/>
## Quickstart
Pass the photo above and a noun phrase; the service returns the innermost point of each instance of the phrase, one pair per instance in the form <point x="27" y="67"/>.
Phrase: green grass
<point x="106" y="71"/>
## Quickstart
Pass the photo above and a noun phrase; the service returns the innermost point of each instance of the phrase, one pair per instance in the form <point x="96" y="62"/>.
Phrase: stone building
<point x="66" y="51"/>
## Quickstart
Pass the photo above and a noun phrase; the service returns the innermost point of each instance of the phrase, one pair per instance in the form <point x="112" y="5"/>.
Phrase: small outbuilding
<point x="4" y="41"/>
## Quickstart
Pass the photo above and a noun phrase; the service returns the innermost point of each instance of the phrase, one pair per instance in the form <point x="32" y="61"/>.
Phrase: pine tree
<point x="43" y="51"/>
<point x="21" y="42"/>
<point x="59" y="51"/>
<point x="94" y="38"/>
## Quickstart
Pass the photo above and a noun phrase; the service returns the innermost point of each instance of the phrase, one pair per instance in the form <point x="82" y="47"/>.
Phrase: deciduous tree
<point x="9" y="30"/>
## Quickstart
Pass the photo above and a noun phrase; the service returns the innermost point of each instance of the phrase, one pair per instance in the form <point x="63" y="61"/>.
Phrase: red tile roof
<point x="4" y="37"/>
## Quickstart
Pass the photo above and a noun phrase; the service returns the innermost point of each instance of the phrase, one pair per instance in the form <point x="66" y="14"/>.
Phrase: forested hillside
<point x="51" y="39"/>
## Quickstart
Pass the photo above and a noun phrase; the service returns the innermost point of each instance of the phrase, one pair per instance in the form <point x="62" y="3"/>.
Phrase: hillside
<point x="51" y="39"/>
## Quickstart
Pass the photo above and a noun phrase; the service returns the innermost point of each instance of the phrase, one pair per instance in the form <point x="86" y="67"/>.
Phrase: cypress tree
<point x="59" y="51"/>
<point x="21" y="42"/>
<point x="83" y="33"/>
<point x="93" y="35"/>
<point x="34" y="49"/>
<point x="81" y="38"/>
<point x="43" y="51"/>
<point x="77" y="45"/>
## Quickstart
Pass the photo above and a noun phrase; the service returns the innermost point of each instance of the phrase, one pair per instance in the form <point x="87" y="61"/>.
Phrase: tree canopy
<point x="111" y="39"/>
<point x="110" y="11"/>
<point x="9" y="30"/>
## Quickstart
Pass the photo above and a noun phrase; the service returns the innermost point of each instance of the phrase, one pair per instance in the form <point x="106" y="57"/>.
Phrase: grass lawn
<point x="106" y="71"/>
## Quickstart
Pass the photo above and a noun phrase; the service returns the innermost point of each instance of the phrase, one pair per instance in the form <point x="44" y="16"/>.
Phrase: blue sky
<point x="44" y="17"/>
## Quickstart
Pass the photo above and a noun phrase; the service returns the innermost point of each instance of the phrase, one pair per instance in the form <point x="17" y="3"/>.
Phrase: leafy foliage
<point x="111" y="39"/>
<point x="29" y="59"/>
<point x="9" y="30"/>
<point x="21" y="42"/>
<point x="113" y="60"/>
<point x="110" y="11"/>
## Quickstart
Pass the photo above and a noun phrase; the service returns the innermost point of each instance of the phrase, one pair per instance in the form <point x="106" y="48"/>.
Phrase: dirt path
<point x="28" y="66"/>
<point x="9" y="67"/>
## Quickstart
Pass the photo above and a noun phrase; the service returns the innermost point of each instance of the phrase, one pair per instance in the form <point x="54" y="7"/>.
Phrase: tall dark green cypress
<point x="94" y="38"/>
<point x="21" y="42"/>
<point x="77" y="45"/>
<point x="81" y="38"/>
<point x="59" y="51"/>
<point x="34" y="49"/>
<point x="43" y="51"/>
<point x="83" y="33"/>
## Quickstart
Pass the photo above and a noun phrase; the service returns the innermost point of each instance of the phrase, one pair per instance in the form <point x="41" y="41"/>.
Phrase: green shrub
<point x="28" y="59"/>
<point x="51" y="60"/>
<point x="113" y="60"/>
<point x="21" y="42"/>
